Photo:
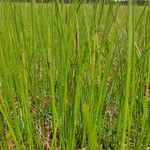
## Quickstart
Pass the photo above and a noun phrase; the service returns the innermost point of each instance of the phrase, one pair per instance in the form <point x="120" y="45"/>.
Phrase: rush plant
<point x="74" y="76"/>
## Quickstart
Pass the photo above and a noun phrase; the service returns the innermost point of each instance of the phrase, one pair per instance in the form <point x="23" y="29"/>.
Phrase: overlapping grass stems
<point x="74" y="76"/>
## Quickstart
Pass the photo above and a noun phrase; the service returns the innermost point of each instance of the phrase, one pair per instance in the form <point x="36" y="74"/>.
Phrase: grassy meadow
<point x="74" y="76"/>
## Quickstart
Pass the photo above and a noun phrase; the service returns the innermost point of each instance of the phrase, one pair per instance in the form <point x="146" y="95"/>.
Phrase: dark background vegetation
<point x="140" y="2"/>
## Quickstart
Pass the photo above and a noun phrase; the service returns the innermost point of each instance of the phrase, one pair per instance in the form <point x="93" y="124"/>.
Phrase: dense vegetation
<point x="140" y="2"/>
<point x="74" y="76"/>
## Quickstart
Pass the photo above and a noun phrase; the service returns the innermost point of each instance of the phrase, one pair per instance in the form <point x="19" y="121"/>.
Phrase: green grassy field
<point x="74" y="76"/>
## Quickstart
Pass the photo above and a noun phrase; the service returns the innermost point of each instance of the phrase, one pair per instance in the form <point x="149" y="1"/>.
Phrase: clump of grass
<point x="74" y="76"/>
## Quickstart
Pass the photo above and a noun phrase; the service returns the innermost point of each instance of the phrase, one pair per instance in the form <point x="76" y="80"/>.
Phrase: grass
<point x="74" y="76"/>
